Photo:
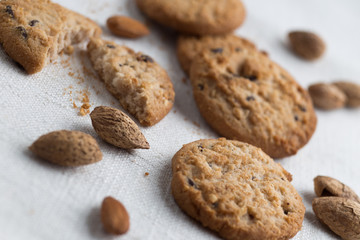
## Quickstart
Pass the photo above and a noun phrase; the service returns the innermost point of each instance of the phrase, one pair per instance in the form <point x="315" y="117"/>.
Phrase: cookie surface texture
<point x="188" y="47"/>
<point x="198" y="17"/>
<point x="236" y="190"/>
<point x="34" y="32"/>
<point x="245" y="96"/>
<point x="142" y="87"/>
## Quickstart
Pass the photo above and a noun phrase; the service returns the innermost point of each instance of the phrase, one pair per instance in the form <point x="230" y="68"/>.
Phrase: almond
<point x="307" y="45"/>
<point x="341" y="215"/>
<point x="352" y="92"/>
<point x="116" y="128"/>
<point x="114" y="216"/>
<point x="126" y="27"/>
<point x="326" y="96"/>
<point x="67" y="148"/>
<point x="327" y="186"/>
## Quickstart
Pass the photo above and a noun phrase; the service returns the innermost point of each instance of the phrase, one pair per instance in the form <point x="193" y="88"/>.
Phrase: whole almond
<point x="67" y="148"/>
<point x="327" y="186"/>
<point x="126" y="27"/>
<point x="327" y="96"/>
<point x="116" y="128"/>
<point x="341" y="215"/>
<point x="352" y="92"/>
<point x="307" y="45"/>
<point x="114" y="216"/>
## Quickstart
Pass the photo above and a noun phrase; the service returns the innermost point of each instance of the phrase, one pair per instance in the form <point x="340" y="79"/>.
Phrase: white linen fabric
<point x="42" y="201"/>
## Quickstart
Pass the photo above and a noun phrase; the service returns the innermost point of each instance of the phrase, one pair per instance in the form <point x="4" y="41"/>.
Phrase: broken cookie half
<point x="142" y="87"/>
<point x="34" y="32"/>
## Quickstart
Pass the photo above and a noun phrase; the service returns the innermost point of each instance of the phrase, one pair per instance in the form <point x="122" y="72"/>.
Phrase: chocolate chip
<point x="201" y="87"/>
<point x="217" y="50"/>
<point x="302" y="108"/>
<point x="145" y="58"/>
<point x="238" y="49"/>
<point x="23" y="32"/>
<point x="286" y="212"/>
<point x="9" y="10"/>
<point x="191" y="183"/>
<point x="33" y="22"/>
<point x="201" y="148"/>
<point x="252" y="78"/>
<point x="215" y="204"/>
<point x="120" y="65"/>
<point x="110" y="46"/>
<point x="296" y="118"/>
<point x="253" y="178"/>
<point x="250" y="98"/>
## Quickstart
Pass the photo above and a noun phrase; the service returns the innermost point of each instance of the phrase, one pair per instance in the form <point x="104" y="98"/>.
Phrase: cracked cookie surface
<point x="198" y="17"/>
<point x="142" y="87"/>
<point x="34" y="32"/>
<point x="245" y="96"/>
<point x="236" y="190"/>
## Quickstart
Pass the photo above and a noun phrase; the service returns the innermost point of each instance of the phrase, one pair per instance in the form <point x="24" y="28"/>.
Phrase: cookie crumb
<point x="196" y="124"/>
<point x="69" y="50"/>
<point x="146" y="174"/>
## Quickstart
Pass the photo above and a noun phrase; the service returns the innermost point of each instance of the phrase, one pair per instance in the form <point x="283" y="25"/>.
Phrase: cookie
<point x="245" y="96"/>
<point x="34" y="32"/>
<point x="190" y="46"/>
<point x="142" y="87"/>
<point x="198" y="17"/>
<point x="236" y="190"/>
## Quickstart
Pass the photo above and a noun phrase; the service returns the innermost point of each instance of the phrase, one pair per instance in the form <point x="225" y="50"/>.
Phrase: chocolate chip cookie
<point x="245" y="96"/>
<point x="199" y="17"/>
<point x="142" y="87"/>
<point x="34" y="32"/>
<point x="236" y="190"/>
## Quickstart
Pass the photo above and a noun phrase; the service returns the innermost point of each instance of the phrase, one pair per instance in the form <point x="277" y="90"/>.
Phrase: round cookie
<point x="236" y="190"/>
<point x="199" y="17"/>
<point x="245" y="96"/>
<point x="190" y="46"/>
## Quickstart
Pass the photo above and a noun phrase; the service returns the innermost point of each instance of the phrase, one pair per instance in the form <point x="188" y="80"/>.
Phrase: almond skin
<point x="352" y="92"/>
<point x="67" y="148"/>
<point x="327" y="186"/>
<point x="126" y="27"/>
<point x="307" y="45"/>
<point x="114" y="216"/>
<point x="341" y="215"/>
<point x="116" y="128"/>
<point x="327" y="96"/>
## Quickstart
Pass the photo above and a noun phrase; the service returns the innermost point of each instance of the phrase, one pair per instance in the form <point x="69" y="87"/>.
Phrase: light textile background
<point x="42" y="201"/>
